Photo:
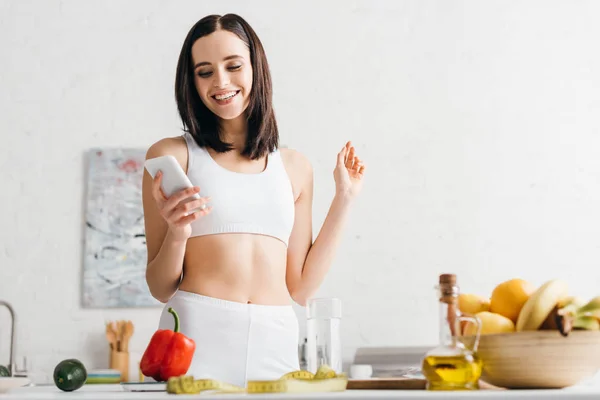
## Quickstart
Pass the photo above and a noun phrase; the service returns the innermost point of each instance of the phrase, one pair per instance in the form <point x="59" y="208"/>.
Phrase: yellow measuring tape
<point x="325" y="380"/>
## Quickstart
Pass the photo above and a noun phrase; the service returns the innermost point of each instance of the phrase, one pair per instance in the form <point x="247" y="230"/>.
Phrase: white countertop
<point x="101" y="392"/>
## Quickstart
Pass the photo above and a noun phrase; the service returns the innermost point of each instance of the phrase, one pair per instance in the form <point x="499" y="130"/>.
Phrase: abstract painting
<point x="114" y="265"/>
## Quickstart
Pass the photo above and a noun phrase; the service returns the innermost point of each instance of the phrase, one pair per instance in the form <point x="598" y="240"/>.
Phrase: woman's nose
<point x="221" y="80"/>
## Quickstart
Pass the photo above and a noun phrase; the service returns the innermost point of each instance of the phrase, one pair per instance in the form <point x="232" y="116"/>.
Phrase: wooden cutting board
<point x="400" y="384"/>
<point x="386" y="384"/>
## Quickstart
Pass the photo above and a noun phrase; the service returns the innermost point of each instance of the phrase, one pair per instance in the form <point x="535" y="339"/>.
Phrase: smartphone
<point x="174" y="178"/>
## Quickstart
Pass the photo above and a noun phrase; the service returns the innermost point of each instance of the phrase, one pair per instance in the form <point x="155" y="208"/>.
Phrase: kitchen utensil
<point x="399" y="384"/>
<point x="539" y="359"/>
<point x="111" y="335"/>
<point x="386" y="384"/>
<point x="127" y="333"/>
<point x="119" y="335"/>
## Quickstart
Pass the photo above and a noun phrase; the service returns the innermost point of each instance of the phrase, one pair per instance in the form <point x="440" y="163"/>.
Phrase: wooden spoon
<point x="111" y="335"/>
<point x="127" y="333"/>
<point x="120" y="332"/>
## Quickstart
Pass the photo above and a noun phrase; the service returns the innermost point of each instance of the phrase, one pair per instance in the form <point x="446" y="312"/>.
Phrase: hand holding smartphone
<point x="183" y="203"/>
<point x="174" y="178"/>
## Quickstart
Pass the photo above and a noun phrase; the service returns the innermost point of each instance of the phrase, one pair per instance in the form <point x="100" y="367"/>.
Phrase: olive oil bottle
<point x="452" y="365"/>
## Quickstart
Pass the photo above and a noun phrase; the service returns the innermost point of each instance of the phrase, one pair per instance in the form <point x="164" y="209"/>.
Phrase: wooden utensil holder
<point x="119" y="360"/>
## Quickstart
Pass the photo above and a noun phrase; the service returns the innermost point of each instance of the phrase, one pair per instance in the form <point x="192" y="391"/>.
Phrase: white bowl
<point x="7" y="383"/>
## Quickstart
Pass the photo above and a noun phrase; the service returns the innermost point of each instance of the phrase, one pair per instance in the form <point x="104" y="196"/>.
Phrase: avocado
<point x="4" y="371"/>
<point x="70" y="375"/>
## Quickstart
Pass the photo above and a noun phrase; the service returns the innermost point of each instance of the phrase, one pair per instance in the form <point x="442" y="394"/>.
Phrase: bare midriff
<point x="240" y="267"/>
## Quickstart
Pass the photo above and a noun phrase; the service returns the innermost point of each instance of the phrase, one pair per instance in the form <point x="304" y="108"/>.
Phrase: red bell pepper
<point x="168" y="354"/>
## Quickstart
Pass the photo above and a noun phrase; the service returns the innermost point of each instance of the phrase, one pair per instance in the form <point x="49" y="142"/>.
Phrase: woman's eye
<point x="206" y="74"/>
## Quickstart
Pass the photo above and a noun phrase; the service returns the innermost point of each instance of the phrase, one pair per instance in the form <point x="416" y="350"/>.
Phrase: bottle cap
<point x="447" y="279"/>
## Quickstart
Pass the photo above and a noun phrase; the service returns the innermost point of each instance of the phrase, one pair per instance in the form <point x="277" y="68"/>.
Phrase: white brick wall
<point x="478" y="121"/>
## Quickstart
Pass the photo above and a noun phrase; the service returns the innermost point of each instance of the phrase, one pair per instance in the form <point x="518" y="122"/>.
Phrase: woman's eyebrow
<point x="203" y="63"/>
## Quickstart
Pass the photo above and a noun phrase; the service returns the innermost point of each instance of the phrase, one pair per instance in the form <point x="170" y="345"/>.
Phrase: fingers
<point x="341" y="157"/>
<point x="357" y="164"/>
<point x="184" y="209"/>
<point x="157" y="192"/>
<point x="177" y="209"/>
<point x="347" y="157"/>
<point x="351" y="158"/>
<point x="178" y="197"/>
<point x="181" y="218"/>
<point x="189" y="219"/>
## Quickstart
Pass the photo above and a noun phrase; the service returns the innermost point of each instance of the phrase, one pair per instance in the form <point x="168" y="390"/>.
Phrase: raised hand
<point x="349" y="172"/>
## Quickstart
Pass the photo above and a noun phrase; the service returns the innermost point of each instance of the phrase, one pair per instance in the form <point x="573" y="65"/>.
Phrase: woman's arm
<point x="166" y="244"/>
<point x="309" y="262"/>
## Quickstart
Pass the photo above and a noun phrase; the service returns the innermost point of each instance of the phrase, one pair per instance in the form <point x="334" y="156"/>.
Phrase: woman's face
<point x="223" y="73"/>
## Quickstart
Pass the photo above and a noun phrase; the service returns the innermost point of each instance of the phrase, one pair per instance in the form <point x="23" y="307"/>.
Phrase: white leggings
<point x="235" y="342"/>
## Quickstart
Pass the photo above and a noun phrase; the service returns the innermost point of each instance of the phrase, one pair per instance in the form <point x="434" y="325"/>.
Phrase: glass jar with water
<point x="324" y="343"/>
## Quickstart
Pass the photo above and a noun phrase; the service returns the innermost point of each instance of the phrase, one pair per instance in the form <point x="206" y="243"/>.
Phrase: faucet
<point x="12" y="367"/>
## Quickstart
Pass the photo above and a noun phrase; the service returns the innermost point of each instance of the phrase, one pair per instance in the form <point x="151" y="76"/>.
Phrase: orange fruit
<point x="491" y="323"/>
<point x="508" y="298"/>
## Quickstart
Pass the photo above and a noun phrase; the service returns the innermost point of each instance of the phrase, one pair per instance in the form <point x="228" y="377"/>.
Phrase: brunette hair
<point x="198" y="120"/>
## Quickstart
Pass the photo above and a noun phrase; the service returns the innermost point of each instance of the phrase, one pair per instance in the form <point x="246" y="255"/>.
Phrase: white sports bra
<point x="260" y="203"/>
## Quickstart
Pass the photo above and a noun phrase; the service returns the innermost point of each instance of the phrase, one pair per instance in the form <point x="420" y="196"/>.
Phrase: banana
<point x="591" y="308"/>
<point x="572" y="316"/>
<point x="575" y="301"/>
<point x="587" y="323"/>
<point x="540" y="304"/>
<point x="564" y="307"/>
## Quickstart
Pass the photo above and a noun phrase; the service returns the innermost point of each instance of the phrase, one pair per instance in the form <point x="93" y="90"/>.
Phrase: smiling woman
<point x="230" y="75"/>
<point x="232" y="269"/>
<point x="227" y="86"/>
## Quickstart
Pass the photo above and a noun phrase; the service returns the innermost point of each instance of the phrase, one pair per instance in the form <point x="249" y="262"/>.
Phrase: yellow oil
<point x="452" y="372"/>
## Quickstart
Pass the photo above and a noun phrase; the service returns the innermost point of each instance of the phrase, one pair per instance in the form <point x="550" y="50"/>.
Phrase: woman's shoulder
<point x="298" y="167"/>
<point x="295" y="160"/>
<point x="174" y="146"/>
